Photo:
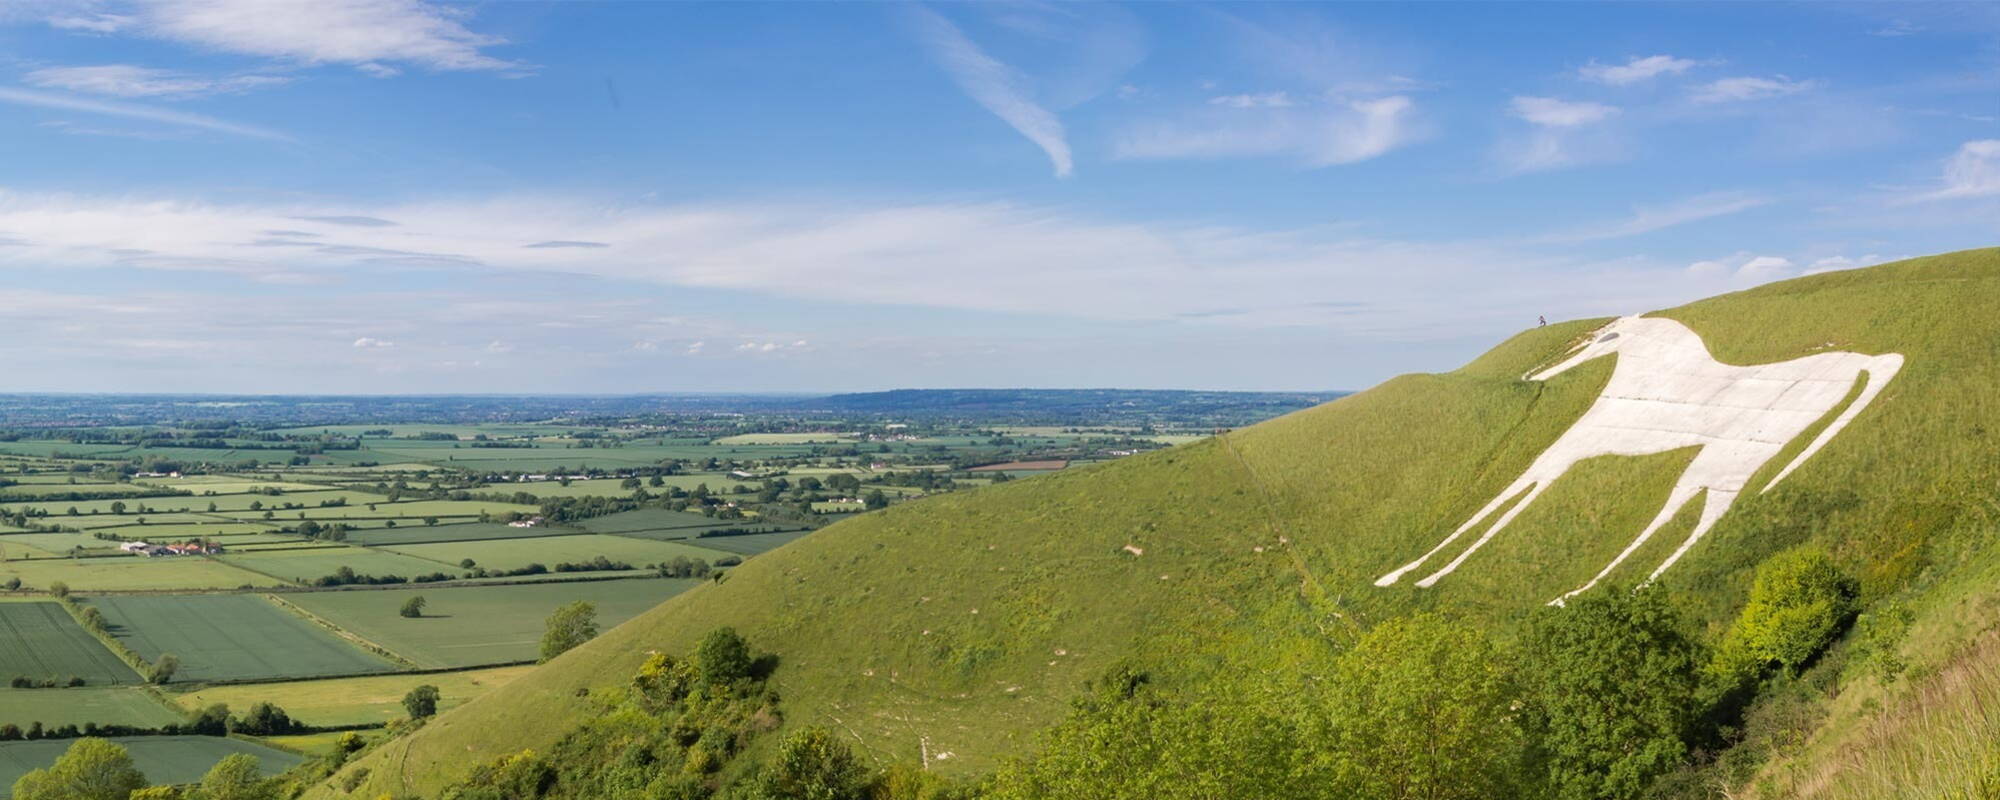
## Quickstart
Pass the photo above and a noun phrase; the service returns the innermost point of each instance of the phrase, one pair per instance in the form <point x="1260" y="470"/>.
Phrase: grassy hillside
<point x="963" y="623"/>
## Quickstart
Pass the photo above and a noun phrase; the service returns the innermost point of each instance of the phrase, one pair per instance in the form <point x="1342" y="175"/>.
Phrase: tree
<point x="92" y="769"/>
<point x="421" y="702"/>
<point x="59" y="589"/>
<point x="1422" y="708"/>
<point x="235" y="777"/>
<point x="813" y="765"/>
<point x="266" y="719"/>
<point x="875" y="500"/>
<point x="722" y="657"/>
<point x="413" y="607"/>
<point x="1611" y="686"/>
<point x="1799" y="602"/>
<point x="572" y="624"/>
<point x="163" y="670"/>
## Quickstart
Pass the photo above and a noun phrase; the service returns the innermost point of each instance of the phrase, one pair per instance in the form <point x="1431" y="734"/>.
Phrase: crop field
<point x="105" y="705"/>
<point x="163" y="759"/>
<point x="305" y="566"/>
<point x="131" y="573"/>
<point x="232" y="637"/>
<point x="192" y="530"/>
<point x="40" y="640"/>
<point x="32" y="490"/>
<point x="54" y="543"/>
<point x="650" y="519"/>
<point x="786" y="438"/>
<point x="98" y="521"/>
<point x="749" y="544"/>
<point x="480" y="625"/>
<point x="467" y="532"/>
<point x="353" y="701"/>
<point x="224" y="484"/>
<point x="550" y="550"/>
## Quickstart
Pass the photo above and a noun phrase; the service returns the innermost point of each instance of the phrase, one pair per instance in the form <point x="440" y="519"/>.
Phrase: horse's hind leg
<point x="1718" y="503"/>
<point x="1505" y="495"/>
<point x="1488" y="536"/>
<point x="1680" y="496"/>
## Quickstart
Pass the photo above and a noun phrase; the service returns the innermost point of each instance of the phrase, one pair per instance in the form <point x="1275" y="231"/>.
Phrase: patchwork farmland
<point x="160" y="590"/>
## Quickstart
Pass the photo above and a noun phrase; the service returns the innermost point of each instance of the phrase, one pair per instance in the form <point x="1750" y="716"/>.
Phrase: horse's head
<point x="1602" y="342"/>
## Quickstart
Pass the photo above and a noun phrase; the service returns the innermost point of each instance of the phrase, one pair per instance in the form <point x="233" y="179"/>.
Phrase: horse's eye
<point x="1606" y="337"/>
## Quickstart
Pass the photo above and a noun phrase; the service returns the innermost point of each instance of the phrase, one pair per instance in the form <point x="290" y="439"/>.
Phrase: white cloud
<point x="695" y="349"/>
<point x="1320" y="135"/>
<point x="93" y="23"/>
<point x="372" y="35"/>
<point x="1743" y="269"/>
<point x="1635" y="70"/>
<point x="1264" y="100"/>
<point x="1553" y="113"/>
<point x="1973" y="171"/>
<point x="497" y="346"/>
<point x="1835" y="263"/>
<point x="999" y="88"/>
<point x="1732" y="90"/>
<point x="126" y="80"/>
<point x="130" y="111"/>
<point x="371" y="343"/>
<point x="1649" y="218"/>
<point x="1895" y="28"/>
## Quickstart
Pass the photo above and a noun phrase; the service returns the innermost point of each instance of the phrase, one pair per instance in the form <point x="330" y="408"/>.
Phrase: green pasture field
<point x="503" y="430"/>
<point x="478" y="625"/>
<point x="47" y="449"/>
<point x="32" y="490"/>
<point x="304" y="566"/>
<point x="550" y="550"/>
<point x="204" y="485"/>
<point x="41" y="640"/>
<point x="651" y="519"/>
<point x="353" y="701"/>
<point x="466" y="532"/>
<point x="191" y="530"/>
<point x="54" y="543"/>
<point x="163" y="759"/>
<point x="131" y="573"/>
<point x="415" y="509"/>
<point x="748" y="544"/>
<point x="786" y="438"/>
<point x="232" y="637"/>
<point x="97" y="521"/>
<point x="280" y="543"/>
<point x="199" y="503"/>
<point x="104" y="705"/>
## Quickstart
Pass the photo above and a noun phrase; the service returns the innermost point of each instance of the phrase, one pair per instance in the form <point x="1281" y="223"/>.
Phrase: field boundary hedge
<point x="350" y="636"/>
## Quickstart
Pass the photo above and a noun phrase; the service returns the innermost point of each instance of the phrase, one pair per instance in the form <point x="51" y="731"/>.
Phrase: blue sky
<point x="370" y="196"/>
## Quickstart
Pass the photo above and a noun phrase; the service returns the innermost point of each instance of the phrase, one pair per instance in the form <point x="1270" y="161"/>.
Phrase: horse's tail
<point x="1879" y="369"/>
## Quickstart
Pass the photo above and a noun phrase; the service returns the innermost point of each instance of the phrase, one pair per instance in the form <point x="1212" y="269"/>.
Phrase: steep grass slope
<point x="961" y="624"/>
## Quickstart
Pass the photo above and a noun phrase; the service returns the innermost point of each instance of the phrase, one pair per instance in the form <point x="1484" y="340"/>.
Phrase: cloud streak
<point x="1635" y="70"/>
<point x="993" y="85"/>
<point x="126" y="80"/>
<point x="59" y="102"/>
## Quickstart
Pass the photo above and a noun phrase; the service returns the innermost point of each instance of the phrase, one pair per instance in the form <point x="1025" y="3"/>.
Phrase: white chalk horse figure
<point x="1666" y="393"/>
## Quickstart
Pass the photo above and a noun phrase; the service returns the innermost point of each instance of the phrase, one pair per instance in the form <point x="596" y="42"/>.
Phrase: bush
<point x="1799" y="603"/>
<point x="421" y="702"/>
<point x="571" y="625"/>
<point x="811" y="763"/>
<point x="413" y="607"/>
<point x="163" y="670"/>
<point x="722" y="657"/>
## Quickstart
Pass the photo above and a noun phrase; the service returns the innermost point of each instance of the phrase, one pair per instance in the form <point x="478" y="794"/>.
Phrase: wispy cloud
<point x="371" y="34"/>
<point x="1262" y="100"/>
<point x="1553" y="113"/>
<point x="166" y="116"/>
<point x="127" y="80"/>
<point x="561" y="243"/>
<point x="1635" y="70"/>
<point x="998" y="87"/>
<point x="1649" y="218"/>
<point x="1321" y="134"/>
<point x="1562" y="135"/>
<point x="1973" y="171"/>
<point x="1738" y="89"/>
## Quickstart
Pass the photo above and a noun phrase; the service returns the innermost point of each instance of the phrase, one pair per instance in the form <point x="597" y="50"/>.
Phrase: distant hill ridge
<point x="964" y="623"/>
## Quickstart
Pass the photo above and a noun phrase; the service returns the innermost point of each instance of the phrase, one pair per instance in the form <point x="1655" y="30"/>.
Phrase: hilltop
<point x="963" y="624"/>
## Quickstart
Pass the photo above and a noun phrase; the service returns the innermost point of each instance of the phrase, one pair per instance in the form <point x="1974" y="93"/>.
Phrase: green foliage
<point x="92" y="769"/>
<point x="1125" y="739"/>
<point x="421" y="702"/>
<point x="412" y="608"/>
<point x="163" y="669"/>
<point x="1799" y="602"/>
<point x="813" y="765"/>
<point x="1611" y="685"/>
<point x="1422" y="708"/>
<point x="722" y="657"/>
<point x="572" y="624"/>
<point x="235" y="777"/>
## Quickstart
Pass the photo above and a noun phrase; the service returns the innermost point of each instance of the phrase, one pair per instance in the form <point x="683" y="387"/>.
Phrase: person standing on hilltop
<point x="1541" y="322"/>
